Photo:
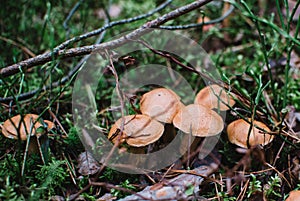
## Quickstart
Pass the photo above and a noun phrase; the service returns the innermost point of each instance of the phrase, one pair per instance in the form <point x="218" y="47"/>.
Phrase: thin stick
<point x="197" y="25"/>
<point x="73" y="52"/>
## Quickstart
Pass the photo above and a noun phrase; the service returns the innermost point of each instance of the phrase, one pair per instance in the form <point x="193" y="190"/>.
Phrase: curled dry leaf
<point x="87" y="165"/>
<point x="138" y="130"/>
<point x="237" y="132"/>
<point x="213" y="96"/>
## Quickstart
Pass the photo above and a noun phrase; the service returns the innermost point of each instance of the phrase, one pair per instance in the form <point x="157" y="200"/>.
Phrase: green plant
<point x="225" y="197"/>
<point x="125" y="184"/>
<point x="8" y="193"/>
<point x="254" y="186"/>
<point x="52" y="176"/>
<point x="271" y="189"/>
<point x="243" y="52"/>
<point x="88" y="197"/>
<point x="9" y="168"/>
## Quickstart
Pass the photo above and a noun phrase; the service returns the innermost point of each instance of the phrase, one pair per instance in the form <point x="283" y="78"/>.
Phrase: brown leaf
<point x="293" y="119"/>
<point x="107" y="197"/>
<point x="87" y="165"/>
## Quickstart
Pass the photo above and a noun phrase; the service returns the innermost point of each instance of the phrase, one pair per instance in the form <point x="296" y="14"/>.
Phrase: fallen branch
<point x="73" y="52"/>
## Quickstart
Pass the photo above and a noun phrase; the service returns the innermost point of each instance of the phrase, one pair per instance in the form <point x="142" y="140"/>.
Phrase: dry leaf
<point x="57" y="198"/>
<point x="293" y="119"/>
<point x="107" y="197"/>
<point x="87" y="165"/>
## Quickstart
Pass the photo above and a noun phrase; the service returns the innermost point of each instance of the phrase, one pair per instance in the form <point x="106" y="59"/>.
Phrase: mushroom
<point x="213" y="96"/>
<point x="26" y="126"/>
<point x="161" y="104"/>
<point x="14" y="126"/>
<point x="294" y="196"/>
<point x="198" y="120"/>
<point x="138" y="130"/>
<point x="238" y="130"/>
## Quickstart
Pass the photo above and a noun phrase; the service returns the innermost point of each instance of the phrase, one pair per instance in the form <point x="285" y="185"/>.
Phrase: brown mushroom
<point x="138" y="130"/>
<point x="198" y="120"/>
<point x="238" y="130"/>
<point x="161" y="104"/>
<point x="213" y="96"/>
<point x="26" y="126"/>
<point x="294" y="196"/>
<point x="15" y="126"/>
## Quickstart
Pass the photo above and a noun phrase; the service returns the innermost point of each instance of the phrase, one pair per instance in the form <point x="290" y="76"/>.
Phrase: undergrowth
<point x="254" y="50"/>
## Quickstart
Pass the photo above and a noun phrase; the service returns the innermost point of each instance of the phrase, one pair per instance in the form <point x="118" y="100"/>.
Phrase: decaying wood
<point x="178" y="188"/>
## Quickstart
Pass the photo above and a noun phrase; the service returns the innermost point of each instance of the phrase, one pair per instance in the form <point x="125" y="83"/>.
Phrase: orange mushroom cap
<point x="14" y="126"/>
<point x="139" y="130"/>
<point x="294" y="196"/>
<point x="237" y="132"/>
<point x="161" y="104"/>
<point x="198" y="120"/>
<point x="211" y="96"/>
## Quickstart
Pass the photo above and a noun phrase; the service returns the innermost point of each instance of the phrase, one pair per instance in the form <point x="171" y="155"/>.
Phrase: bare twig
<point x="110" y="25"/>
<point x="73" y="52"/>
<point x="23" y="48"/>
<point x="196" y="25"/>
<point x="71" y="13"/>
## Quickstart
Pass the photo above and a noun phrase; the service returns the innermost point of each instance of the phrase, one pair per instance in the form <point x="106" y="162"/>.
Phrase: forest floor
<point x="67" y="74"/>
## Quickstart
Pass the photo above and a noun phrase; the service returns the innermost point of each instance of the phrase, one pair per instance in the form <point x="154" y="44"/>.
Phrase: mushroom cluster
<point x="199" y="118"/>
<point x="157" y="106"/>
<point x="214" y="96"/>
<point x="163" y="105"/>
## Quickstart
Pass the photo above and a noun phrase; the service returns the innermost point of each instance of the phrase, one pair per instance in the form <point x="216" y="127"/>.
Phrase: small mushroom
<point x="238" y="130"/>
<point x="294" y="196"/>
<point x="161" y="104"/>
<point x="198" y="120"/>
<point x="213" y="96"/>
<point x="138" y="130"/>
<point x="14" y="126"/>
<point x="26" y="126"/>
